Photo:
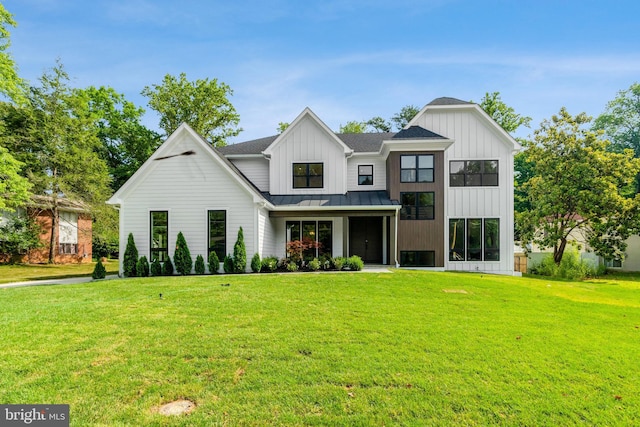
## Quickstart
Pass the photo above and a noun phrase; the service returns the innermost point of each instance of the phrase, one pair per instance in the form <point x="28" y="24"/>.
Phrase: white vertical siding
<point x="256" y="170"/>
<point x="187" y="187"/>
<point x="307" y="142"/>
<point x="379" y="173"/>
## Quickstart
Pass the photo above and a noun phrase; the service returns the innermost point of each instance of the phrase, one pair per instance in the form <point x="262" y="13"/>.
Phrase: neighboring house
<point x="438" y="194"/>
<point x="74" y="232"/>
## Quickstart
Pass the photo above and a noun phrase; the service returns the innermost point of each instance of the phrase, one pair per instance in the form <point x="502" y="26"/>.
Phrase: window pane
<point x="408" y="201"/>
<point x="365" y="180"/>
<point x="159" y="235"/>
<point x="491" y="166"/>
<point x="474" y="240"/>
<point x="456" y="167"/>
<point x="365" y="170"/>
<point x="299" y="169"/>
<point x="315" y="169"/>
<point x="315" y="182"/>
<point x="408" y="175"/>
<point x="425" y="175"/>
<point x="425" y="199"/>
<point x="456" y="180"/>
<point x="407" y="162"/>
<point x="217" y="233"/>
<point x="325" y="238"/>
<point x="309" y="237"/>
<point x="473" y="166"/>
<point x="492" y="240"/>
<point x="293" y="230"/>
<point x="425" y="161"/>
<point x="473" y="180"/>
<point x="490" y="180"/>
<point x="299" y="182"/>
<point x="407" y="258"/>
<point x="456" y="239"/>
<point x="426" y="258"/>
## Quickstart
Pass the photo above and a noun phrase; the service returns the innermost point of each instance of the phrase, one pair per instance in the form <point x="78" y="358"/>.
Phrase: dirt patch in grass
<point x="178" y="407"/>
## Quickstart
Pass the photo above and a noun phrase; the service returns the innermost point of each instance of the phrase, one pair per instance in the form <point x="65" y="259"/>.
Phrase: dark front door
<point x="365" y="238"/>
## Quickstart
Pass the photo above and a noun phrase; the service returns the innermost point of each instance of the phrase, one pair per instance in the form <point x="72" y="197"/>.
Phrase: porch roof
<point x="350" y="200"/>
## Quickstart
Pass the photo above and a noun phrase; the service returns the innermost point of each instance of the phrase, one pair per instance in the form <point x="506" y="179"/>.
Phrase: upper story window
<point x="417" y="205"/>
<point x="308" y="175"/>
<point x="416" y="168"/>
<point x="365" y="175"/>
<point x="473" y="173"/>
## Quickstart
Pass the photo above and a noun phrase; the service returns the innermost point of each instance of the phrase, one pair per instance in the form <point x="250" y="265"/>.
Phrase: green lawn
<point x="25" y="272"/>
<point x="328" y="349"/>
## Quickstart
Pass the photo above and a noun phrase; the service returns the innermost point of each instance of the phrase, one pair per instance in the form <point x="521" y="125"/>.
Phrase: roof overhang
<point x="436" y="144"/>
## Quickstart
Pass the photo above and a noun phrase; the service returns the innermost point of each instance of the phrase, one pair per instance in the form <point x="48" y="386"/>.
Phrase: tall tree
<point x="401" y="119"/>
<point x="379" y="124"/>
<point x="11" y="85"/>
<point x="14" y="188"/>
<point x="504" y="115"/>
<point x="353" y="127"/>
<point x="203" y="104"/>
<point x="621" y="120"/>
<point x="577" y="188"/>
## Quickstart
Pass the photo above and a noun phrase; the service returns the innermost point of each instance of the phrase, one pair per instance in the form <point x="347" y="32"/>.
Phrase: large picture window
<point x="318" y="232"/>
<point x="474" y="239"/>
<point x="308" y="175"/>
<point x="159" y="235"/>
<point x="473" y="173"/>
<point x="218" y="233"/>
<point x="416" y="168"/>
<point x="420" y="205"/>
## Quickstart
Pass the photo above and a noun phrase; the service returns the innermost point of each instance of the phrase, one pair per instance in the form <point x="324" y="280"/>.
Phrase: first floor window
<point x="365" y="175"/>
<point x="417" y="205"/>
<point x="159" y="235"/>
<point x="316" y="236"/>
<point x="474" y="239"/>
<point x="308" y="175"/>
<point x="418" y="258"/>
<point x="218" y="233"/>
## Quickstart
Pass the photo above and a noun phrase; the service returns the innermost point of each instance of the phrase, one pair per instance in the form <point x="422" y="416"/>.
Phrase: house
<point x="438" y="194"/>
<point x="74" y="231"/>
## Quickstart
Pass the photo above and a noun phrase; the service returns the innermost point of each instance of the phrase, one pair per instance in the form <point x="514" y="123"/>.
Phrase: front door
<point x="365" y="238"/>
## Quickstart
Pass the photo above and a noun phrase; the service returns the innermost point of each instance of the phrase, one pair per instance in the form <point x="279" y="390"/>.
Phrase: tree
<point x="504" y="115"/>
<point x="353" y="127"/>
<point x="214" y="263"/>
<point x="99" y="272"/>
<point x="239" y="254"/>
<point x="576" y="188"/>
<point x="202" y="104"/>
<point x="282" y="126"/>
<point x="14" y="188"/>
<point x="182" y="256"/>
<point x="379" y="124"/>
<point x="11" y="85"/>
<point x="130" y="258"/>
<point x="401" y="119"/>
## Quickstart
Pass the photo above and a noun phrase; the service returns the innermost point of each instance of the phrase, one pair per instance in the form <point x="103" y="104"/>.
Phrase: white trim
<point x="408" y="145"/>
<point x="336" y="208"/>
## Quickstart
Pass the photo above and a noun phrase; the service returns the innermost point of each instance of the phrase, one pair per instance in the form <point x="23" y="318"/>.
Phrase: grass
<point x="26" y="272"/>
<point x="328" y="349"/>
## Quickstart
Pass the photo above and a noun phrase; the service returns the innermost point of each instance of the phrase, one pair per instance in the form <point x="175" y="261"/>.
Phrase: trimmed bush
<point x="214" y="263"/>
<point x="167" y="268"/>
<point x="256" y="264"/>
<point x="292" y="266"/>
<point x="227" y="264"/>
<point x="142" y="267"/>
<point x="340" y="262"/>
<point x="182" y="256"/>
<point x="355" y="263"/>
<point x="239" y="254"/>
<point x="314" y="264"/>
<point x="130" y="258"/>
<point x="99" y="272"/>
<point x="156" y="268"/>
<point x="199" y="265"/>
<point x="269" y="264"/>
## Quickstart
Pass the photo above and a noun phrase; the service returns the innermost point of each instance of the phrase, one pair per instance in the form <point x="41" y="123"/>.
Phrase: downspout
<point x="395" y="240"/>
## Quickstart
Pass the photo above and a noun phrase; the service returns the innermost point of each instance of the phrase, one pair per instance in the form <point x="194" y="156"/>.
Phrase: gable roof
<point x="445" y="100"/>
<point x="417" y="132"/>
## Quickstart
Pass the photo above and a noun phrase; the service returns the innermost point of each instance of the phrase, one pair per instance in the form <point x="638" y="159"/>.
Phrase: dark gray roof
<point x="352" y="198"/>
<point x="416" y="132"/>
<point x="255" y="146"/>
<point x="448" y="101"/>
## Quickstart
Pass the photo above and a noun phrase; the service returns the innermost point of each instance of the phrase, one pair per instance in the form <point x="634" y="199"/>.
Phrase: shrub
<point x="19" y="235"/>
<point x="571" y="267"/>
<point x="239" y="254"/>
<point x="269" y="264"/>
<point x="256" y="264"/>
<point x="130" y="258"/>
<point x="142" y="267"/>
<point x="292" y="266"/>
<point x="167" y="268"/>
<point x="314" y="264"/>
<point x="156" y="268"/>
<point x="355" y="263"/>
<point x="340" y="262"/>
<point x="99" y="272"/>
<point x="326" y="262"/>
<point x="214" y="263"/>
<point x="182" y="256"/>
<point x="227" y="264"/>
<point x="199" y="265"/>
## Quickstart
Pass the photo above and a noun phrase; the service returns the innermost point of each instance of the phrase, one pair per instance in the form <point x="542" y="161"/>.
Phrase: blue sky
<point x="346" y="60"/>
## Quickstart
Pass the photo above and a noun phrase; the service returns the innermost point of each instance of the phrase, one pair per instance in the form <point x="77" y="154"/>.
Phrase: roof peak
<point x="445" y="100"/>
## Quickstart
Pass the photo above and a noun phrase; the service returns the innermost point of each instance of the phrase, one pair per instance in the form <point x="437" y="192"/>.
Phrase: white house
<point x="438" y="194"/>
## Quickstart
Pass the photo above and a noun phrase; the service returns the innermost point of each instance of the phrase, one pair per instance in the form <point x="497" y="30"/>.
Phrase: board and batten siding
<point x="307" y="142"/>
<point x="476" y="138"/>
<point x="379" y="173"/>
<point x="187" y="187"/>
<point x="255" y="169"/>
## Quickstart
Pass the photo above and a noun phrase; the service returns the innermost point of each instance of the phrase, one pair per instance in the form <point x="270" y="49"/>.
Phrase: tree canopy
<point x="504" y="115"/>
<point x="353" y="127"/>
<point x="402" y="118"/>
<point x="620" y="121"/>
<point x="203" y="104"/>
<point x="577" y="186"/>
<point x="14" y="188"/>
<point x="11" y="85"/>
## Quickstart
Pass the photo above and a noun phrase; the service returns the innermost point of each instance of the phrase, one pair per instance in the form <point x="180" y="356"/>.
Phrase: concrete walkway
<point x="67" y="281"/>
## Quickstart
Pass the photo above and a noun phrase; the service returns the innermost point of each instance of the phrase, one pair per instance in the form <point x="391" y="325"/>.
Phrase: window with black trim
<point x="418" y="205"/>
<point x="474" y="239"/>
<point x="159" y="235"/>
<point x="416" y="168"/>
<point x="318" y="232"/>
<point x="308" y="175"/>
<point x="473" y="173"/>
<point x="418" y="258"/>
<point x="365" y="175"/>
<point x="217" y="222"/>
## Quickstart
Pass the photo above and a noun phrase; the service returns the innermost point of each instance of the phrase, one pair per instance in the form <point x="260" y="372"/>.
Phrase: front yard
<point x="25" y="272"/>
<point x="414" y="348"/>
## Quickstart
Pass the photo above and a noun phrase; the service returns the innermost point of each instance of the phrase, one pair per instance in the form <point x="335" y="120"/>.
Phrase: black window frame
<point x="219" y="247"/>
<point x="474" y="173"/>
<point x="295" y="230"/>
<point x="414" y="258"/>
<point x="159" y="252"/>
<point x="364" y="178"/>
<point x="414" y="211"/>
<point x="416" y="169"/>
<point x="307" y="179"/>
<point x="482" y="247"/>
